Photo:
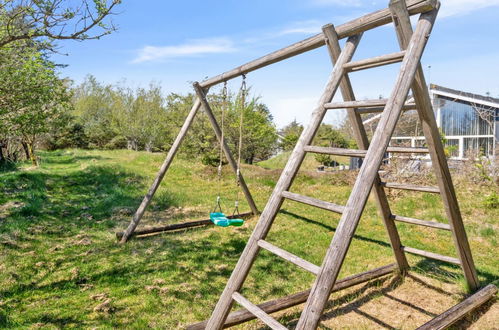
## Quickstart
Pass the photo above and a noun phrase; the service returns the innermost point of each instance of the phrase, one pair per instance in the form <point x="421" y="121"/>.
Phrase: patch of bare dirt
<point x="394" y="303"/>
<point x="6" y="208"/>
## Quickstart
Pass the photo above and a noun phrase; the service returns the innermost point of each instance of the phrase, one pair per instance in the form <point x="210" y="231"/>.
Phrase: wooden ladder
<point x="411" y="76"/>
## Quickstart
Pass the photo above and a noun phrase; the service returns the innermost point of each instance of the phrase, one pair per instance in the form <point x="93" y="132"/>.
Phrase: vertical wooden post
<point x="268" y="215"/>
<point x="206" y="106"/>
<point x="162" y="171"/>
<point x="334" y="49"/>
<point x="439" y="161"/>
<point x="338" y="248"/>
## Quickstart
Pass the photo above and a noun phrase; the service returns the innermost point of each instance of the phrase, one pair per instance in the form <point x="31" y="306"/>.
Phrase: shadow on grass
<point x="65" y="158"/>
<point x="353" y="300"/>
<point x="435" y="269"/>
<point x="330" y="228"/>
<point x="79" y="199"/>
<point x="7" y="166"/>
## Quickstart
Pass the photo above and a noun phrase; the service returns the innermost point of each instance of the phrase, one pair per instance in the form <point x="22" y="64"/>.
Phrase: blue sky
<point x="177" y="42"/>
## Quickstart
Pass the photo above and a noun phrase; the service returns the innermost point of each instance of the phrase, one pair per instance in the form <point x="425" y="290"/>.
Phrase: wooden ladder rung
<point x="405" y="107"/>
<point x="426" y="223"/>
<point x="408" y="150"/>
<point x="314" y="269"/>
<point x="313" y="202"/>
<point x="376" y="103"/>
<point x="336" y="151"/>
<point x="356" y="104"/>
<point x="412" y="187"/>
<point x="431" y="255"/>
<point x="374" y="61"/>
<point x="361" y="153"/>
<point x="257" y="311"/>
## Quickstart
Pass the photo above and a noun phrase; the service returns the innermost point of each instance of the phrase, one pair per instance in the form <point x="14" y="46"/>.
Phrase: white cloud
<point x="303" y="27"/>
<point x="190" y="48"/>
<point x="463" y="7"/>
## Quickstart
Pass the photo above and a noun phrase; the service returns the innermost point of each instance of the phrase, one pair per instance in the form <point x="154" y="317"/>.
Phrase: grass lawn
<point x="60" y="264"/>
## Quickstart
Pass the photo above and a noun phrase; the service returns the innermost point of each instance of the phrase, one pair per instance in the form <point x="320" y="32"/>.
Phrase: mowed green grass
<point x="60" y="264"/>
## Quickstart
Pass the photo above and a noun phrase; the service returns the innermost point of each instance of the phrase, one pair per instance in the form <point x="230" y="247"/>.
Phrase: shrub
<point x="491" y="201"/>
<point x="117" y="142"/>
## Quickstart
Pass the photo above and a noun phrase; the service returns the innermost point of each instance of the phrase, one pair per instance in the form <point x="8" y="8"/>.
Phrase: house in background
<point x="470" y="123"/>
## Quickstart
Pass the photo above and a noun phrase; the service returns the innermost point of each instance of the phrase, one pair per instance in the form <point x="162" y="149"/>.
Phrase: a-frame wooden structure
<point x="200" y="101"/>
<point x="412" y="44"/>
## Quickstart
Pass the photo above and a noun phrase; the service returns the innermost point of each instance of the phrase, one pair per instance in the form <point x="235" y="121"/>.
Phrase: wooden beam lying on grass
<point x="177" y="226"/>
<point x="242" y="315"/>
<point x="450" y="316"/>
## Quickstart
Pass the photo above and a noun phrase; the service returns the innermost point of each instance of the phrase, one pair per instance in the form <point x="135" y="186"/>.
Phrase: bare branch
<point x="34" y="19"/>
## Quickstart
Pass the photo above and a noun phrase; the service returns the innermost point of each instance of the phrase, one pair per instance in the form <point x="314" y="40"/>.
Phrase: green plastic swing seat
<point x="219" y="219"/>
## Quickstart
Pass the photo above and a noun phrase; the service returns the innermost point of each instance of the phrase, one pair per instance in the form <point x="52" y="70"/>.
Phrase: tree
<point x="290" y="135"/>
<point x="93" y="104"/>
<point x="32" y="96"/>
<point x="327" y="136"/>
<point x="55" y="19"/>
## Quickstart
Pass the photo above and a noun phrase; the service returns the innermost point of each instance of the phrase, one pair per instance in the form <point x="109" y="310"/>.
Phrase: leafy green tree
<point x="328" y="136"/>
<point x="290" y="135"/>
<point x="32" y="96"/>
<point x="93" y="104"/>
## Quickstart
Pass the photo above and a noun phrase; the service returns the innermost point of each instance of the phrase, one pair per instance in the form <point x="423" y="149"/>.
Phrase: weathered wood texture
<point x="408" y="150"/>
<point x="431" y="255"/>
<point x="359" y="25"/>
<point x="255" y="310"/>
<point x="362" y="140"/>
<point x="162" y="171"/>
<point x="268" y="215"/>
<point x="360" y="153"/>
<point x="276" y="305"/>
<point x="411" y="187"/>
<point x="361" y="111"/>
<point x="369" y="171"/>
<point x="449" y="317"/>
<point x="313" y="202"/>
<point x="426" y="223"/>
<point x="336" y="151"/>
<point x="374" y="62"/>
<point x="228" y="154"/>
<point x="422" y="99"/>
<point x="177" y="226"/>
<point x="308" y="266"/>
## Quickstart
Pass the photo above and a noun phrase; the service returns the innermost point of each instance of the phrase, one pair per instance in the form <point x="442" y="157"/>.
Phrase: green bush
<point x="117" y="142"/>
<point x="492" y="201"/>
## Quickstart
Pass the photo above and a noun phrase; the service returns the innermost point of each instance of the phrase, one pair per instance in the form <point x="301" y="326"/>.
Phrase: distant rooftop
<point x="458" y="93"/>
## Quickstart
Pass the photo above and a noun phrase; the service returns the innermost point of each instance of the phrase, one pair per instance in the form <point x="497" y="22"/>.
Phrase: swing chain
<point x="243" y="92"/>
<point x="220" y="163"/>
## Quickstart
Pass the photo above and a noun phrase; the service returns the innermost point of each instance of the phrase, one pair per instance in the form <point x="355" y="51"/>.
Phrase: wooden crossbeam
<point x="314" y="269"/>
<point x="352" y="28"/>
<point x="258" y="312"/>
<point x="178" y="226"/>
<point x="454" y="314"/>
<point x="313" y="202"/>
<point x="374" y="61"/>
<point x="426" y="223"/>
<point x="431" y="255"/>
<point x="411" y="187"/>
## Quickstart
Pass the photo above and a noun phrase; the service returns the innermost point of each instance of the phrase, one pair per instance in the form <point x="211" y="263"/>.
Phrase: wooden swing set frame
<point x="411" y="77"/>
